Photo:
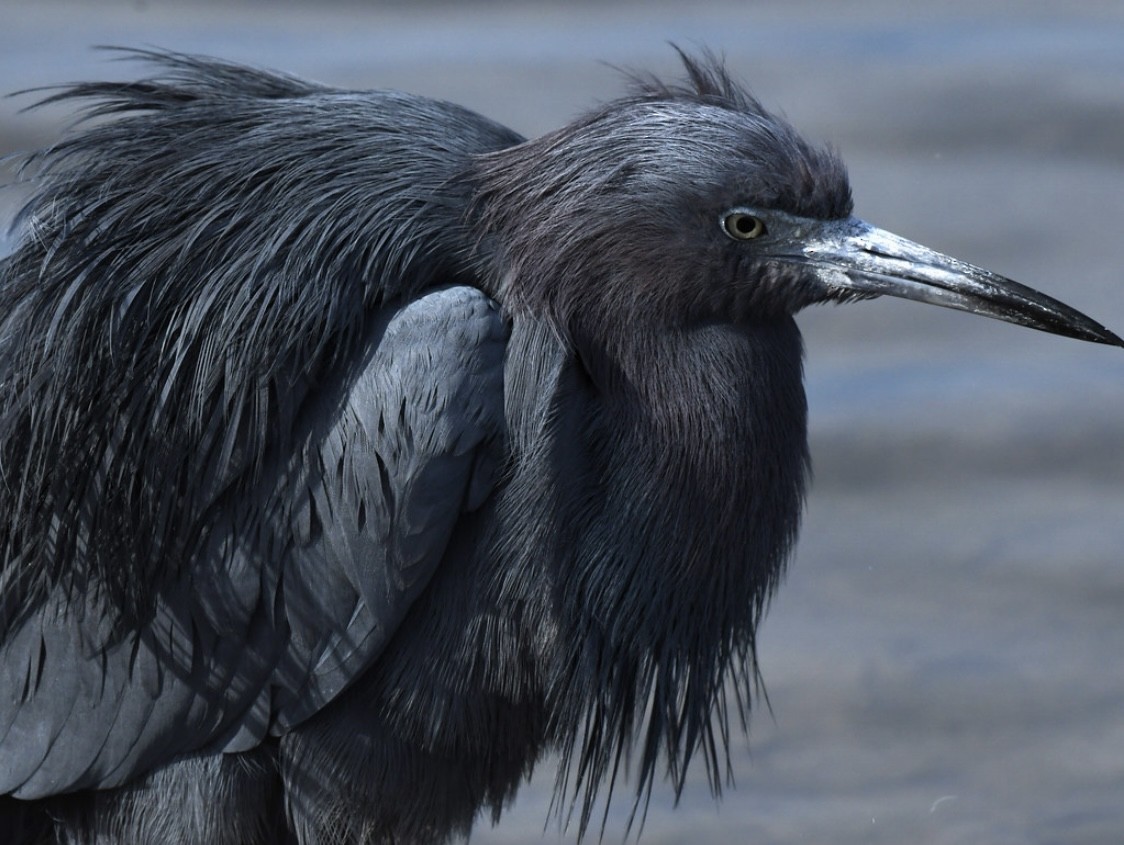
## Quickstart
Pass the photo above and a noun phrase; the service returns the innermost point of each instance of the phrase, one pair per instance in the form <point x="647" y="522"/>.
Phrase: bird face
<point x="787" y="240"/>
<point x="846" y="259"/>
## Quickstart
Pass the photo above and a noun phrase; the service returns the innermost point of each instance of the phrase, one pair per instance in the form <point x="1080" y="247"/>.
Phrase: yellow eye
<point x="743" y="227"/>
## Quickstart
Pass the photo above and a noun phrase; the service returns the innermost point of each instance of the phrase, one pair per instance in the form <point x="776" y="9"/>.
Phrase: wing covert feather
<point x="415" y="438"/>
<point x="298" y="592"/>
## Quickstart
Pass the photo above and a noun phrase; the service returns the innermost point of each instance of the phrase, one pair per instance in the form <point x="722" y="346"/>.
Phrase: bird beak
<point x="855" y="260"/>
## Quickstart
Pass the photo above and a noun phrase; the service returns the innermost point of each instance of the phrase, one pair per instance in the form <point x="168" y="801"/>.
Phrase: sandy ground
<point x="946" y="661"/>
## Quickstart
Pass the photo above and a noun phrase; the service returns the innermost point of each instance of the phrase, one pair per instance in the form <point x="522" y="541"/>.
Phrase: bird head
<point x="687" y="204"/>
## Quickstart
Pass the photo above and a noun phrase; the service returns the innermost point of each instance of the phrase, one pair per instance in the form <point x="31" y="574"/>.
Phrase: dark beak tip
<point x="1093" y="334"/>
<point x="1100" y="334"/>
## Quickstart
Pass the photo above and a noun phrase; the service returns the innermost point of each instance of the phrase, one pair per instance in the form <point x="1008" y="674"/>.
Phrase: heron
<point x="356" y="452"/>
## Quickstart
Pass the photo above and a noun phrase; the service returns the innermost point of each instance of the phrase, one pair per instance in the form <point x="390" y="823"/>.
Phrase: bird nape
<point x="356" y="452"/>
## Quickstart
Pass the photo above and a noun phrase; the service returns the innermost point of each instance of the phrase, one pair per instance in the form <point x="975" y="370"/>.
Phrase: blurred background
<point x="945" y="663"/>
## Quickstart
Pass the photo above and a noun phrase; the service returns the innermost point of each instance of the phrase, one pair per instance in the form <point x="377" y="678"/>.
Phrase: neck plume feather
<point x="674" y="493"/>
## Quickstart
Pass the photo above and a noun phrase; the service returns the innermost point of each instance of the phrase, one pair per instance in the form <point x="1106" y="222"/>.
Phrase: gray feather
<point x="352" y="438"/>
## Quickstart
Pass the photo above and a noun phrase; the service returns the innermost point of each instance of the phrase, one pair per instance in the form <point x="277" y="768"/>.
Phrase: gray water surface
<point x="945" y="662"/>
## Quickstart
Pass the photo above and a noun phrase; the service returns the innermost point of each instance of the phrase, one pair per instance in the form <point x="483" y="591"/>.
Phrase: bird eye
<point x="743" y="227"/>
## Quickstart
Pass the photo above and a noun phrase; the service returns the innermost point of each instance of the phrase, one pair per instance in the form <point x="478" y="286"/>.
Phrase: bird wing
<point x="299" y="587"/>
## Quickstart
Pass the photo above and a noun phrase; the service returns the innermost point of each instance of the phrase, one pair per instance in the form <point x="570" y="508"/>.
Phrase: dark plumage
<point x="355" y="452"/>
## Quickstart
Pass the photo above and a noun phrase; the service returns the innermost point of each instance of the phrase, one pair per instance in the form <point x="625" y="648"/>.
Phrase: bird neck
<point x="674" y="496"/>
